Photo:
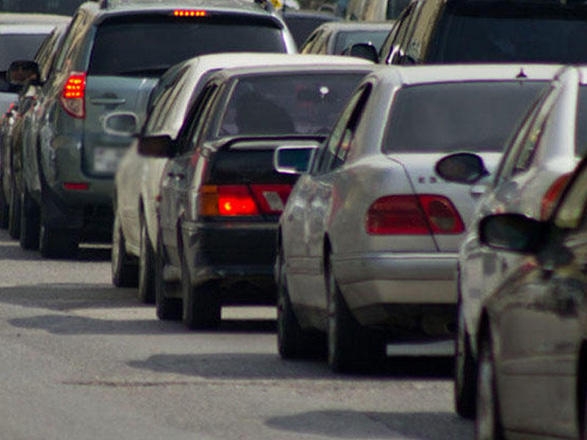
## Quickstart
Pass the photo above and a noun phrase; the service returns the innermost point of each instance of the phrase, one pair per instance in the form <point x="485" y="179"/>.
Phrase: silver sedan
<point x="368" y="241"/>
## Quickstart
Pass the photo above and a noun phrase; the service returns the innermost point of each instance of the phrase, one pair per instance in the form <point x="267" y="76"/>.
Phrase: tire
<point x="292" y="341"/>
<point x="351" y="347"/>
<point x="146" y="281"/>
<point x="488" y="421"/>
<point x="14" y="214"/>
<point x="30" y="216"/>
<point x="465" y="381"/>
<point x="202" y="306"/>
<point x="168" y="309"/>
<point x="124" y="270"/>
<point x="57" y="243"/>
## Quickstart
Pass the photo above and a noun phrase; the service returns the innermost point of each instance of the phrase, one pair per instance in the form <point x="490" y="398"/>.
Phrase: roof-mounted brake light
<point x="189" y="13"/>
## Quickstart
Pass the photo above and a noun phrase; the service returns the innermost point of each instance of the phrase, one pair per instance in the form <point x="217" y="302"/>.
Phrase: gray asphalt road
<point x="80" y="359"/>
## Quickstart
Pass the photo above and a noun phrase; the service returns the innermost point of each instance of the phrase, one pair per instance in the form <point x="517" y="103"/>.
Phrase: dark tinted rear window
<point x="61" y="7"/>
<point x="451" y="117"/>
<point x="152" y="45"/>
<point x="479" y="31"/>
<point x="287" y="103"/>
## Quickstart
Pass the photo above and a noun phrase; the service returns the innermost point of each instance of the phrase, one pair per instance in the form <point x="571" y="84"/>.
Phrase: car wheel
<point x="124" y="270"/>
<point x="488" y="422"/>
<point x="146" y="292"/>
<point x="4" y="210"/>
<point x="351" y="347"/>
<point x="465" y="371"/>
<point x="202" y="306"/>
<point x="292" y="341"/>
<point x="30" y="215"/>
<point x="14" y="214"/>
<point x="167" y="308"/>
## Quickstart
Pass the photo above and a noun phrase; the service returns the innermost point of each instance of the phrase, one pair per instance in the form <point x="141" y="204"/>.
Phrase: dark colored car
<point x="470" y="31"/>
<point x="220" y="195"/>
<point x="68" y="180"/>
<point x="531" y="380"/>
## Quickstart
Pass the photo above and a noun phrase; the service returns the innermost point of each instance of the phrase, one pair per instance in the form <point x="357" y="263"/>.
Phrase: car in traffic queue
<point x="220" y="195"/>
<point x="138" y="177"/>
<point x="531" y="175"/>
<point x="532" y="338"/>
<point x="13" y="129"/>
<point x="489" y="31"/>
<point x="368" y="240"/>
<point x="69" y="183"/>
<point x="334" y="37"/>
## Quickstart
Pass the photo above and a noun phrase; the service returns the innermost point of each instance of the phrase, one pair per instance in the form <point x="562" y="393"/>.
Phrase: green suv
<point x="112" y="55"/>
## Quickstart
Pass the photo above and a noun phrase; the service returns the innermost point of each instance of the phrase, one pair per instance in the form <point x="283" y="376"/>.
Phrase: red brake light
<point x="413" y="215"/>
<point x="189" y="13"/>
<point x="76" y="186"/>
<point x="73" y="95"/>
<point x="242" y="200"/>
<point x="552" y="194"/>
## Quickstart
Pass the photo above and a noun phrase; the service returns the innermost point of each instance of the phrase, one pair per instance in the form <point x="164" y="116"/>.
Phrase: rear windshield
<point x="348" y="38"/>
<point x="478" y="31"/>
<point x="61" y="7"/>
<point x="152" y="45"/>
<point x="18" y="47"/>
<point x="457" y="116"/>
<point x="287" y="103"/>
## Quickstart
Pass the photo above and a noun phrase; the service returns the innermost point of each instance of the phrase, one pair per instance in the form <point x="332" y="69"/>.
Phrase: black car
<point x="220" y="195"/>
<point x="470" y="31"/>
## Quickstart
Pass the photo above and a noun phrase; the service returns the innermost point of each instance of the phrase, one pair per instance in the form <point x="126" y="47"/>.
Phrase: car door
<point x="305" y="221"/>
<point x="177" y="174"/>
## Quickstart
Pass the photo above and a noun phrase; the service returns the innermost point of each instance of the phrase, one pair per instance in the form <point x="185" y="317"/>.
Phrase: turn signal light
<point x="73" y="95"/>
<point x="413" y="215"/>
<point x="226" y="200"/>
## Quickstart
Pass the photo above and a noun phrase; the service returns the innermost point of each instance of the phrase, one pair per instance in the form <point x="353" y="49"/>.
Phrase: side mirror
<point x="289" y="159"/>
<point x="120" y="123"/>
<point x="21" y="72"/>
<point x="465" y="168"/>
<point x="156" y="146"/>
<point x="513" y="232"/>
<point x="362" y="50"/>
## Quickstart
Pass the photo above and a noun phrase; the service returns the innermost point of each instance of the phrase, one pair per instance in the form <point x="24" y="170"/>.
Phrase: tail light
<point x="413" y="215"/>
<point x="552" y="195"/>
<point x="242" y="200"/>
<point x="73" y="95"/>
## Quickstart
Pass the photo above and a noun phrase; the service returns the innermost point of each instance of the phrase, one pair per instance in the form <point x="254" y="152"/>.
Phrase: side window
<point x="523" y="146"/>
<point x="163" y="97"/>
<point x="393" y="47"/>
<point x="198" y="116"/>
<point x="341" y="138"/>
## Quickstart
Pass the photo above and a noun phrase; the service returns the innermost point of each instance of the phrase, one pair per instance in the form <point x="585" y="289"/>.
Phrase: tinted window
<point x="62" y="7"/>
<point x="346" y="39"/>
<point x="492" y="31"/>
<point x="18" y="47"/>
<point x="287" y="103"/>
<point x="395" y="7"/>
<point x="450" y="117"/>
<point x="152" y="45"/>
<point x="302" y="26"/>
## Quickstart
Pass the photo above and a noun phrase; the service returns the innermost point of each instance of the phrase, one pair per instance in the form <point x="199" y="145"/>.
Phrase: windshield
<point x="61" y="7"/>
<point x="447" y="117"/>
<point x="476" y="31"/>
<point x="287" y="103"/>
<point x="345" y="39"/>
<point x="149" y="47"/>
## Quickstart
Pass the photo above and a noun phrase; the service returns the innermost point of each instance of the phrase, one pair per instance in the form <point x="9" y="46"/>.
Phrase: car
<point x="531" y="175"/>
<point x="220" y="196"/>
<point x="301" y="22"/>
<point x="138" y="176"/>
<point x="334" y="37"/>
<point x="69" y="183"/>
<point x="368" y="240"/>
<point x="532" y="338"/>
<point x="471" y="31"/>
<point x="374" y="10"/>
<point x="59" y="7"/>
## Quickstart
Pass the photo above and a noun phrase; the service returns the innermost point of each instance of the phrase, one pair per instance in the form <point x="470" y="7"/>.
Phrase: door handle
<point x="108" y="101"/>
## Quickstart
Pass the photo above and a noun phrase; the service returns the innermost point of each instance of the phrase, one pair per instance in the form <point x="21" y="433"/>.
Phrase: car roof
<point x="422" y="74"/>
<point x="10" y="18"/>
<point x="357" y="25"/>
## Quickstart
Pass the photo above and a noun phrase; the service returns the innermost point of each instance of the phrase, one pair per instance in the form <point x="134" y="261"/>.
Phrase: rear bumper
<point x="239" y="256"/>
